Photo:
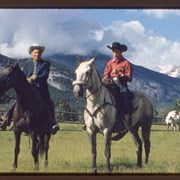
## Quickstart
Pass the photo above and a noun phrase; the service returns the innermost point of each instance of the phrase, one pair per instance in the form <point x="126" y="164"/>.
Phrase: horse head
<point x="83" y="73"/>
<point x="8" y="77"/>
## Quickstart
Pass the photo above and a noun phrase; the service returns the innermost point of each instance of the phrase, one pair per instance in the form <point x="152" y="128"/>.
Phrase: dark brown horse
<point x="28" y="114"/>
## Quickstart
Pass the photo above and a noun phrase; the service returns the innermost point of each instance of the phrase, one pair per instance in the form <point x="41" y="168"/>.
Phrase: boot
<point x="121" y="124"/>
<point x="54" y="126"/>
<point x="127" y="121"/>
<point x="6" y="120"/>
<point x="3" y="124"/>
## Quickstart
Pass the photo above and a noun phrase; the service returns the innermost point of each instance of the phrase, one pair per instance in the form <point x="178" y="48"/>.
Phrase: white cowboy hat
<point x="36" y="46"/>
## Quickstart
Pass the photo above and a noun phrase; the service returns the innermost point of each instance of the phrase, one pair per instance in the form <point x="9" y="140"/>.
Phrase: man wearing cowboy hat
<point x="119" y="70"/>
<point x="37" y="72"/>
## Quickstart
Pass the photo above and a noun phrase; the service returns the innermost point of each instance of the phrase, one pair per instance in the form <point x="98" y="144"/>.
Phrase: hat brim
<point x="122" y="48"/>
<point x="31" y="48"/>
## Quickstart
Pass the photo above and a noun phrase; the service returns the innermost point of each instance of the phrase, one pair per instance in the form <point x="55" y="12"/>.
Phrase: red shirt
<point x="122" y="65"/>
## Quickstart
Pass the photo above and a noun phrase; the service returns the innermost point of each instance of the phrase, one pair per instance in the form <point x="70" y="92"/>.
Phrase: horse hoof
<point x="95" y="171"/>
<point x="46" y="164"/>
<point x="36" y="168"/>
<point x="108" y="171"/>
<point x="13" y="169"/>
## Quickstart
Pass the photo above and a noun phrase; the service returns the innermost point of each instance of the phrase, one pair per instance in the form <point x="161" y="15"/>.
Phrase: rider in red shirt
<point x="118" y="66"/>
<point x="119" y="70"/>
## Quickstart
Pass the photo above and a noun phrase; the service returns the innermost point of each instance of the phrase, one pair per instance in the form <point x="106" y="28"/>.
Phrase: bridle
<point x="85" y="84"/>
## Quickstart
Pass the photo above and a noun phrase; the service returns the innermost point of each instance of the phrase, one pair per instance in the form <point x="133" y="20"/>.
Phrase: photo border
<point x="90" y="4"/>
<point x="97" y="4"/>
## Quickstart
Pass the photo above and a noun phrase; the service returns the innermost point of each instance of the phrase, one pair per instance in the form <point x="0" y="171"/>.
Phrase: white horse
<point x="172" y="119"/>
<point x="100" y="113"/>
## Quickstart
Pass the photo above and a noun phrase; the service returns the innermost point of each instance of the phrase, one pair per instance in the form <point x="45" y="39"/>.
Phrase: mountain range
<point x="159" y="87"/>
<point x="170" y="70"/>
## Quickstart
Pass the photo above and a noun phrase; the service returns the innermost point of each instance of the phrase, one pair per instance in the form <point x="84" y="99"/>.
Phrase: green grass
<point x="70" y="153"/>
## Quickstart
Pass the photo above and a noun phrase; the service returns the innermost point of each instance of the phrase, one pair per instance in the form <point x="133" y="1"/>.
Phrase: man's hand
<point x="115" y="71"/>
<point x="121" y="74"/>
<point x="107" y="81"/>
<point x="31" y="79"/>
<point x="118" y="73"/>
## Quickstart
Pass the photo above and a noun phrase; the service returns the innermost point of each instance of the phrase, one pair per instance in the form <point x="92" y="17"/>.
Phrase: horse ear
<point x="91" y="61"/>
<point x="16" y="65"/>
<point x="78" y="60"/>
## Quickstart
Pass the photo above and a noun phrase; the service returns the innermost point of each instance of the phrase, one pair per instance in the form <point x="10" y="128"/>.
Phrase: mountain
<point x="160" y="88"/>
<point x="170" y="70"/>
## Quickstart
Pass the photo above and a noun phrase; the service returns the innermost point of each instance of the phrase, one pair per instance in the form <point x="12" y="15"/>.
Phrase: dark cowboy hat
<point x="118" y="46"/>
<point x="36" y="46"/>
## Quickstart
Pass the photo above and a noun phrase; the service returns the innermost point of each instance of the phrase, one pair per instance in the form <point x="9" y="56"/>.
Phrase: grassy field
<point x="70" y="153"/>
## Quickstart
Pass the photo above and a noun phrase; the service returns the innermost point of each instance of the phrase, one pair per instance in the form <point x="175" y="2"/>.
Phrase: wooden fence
<point x="62" y="116"/>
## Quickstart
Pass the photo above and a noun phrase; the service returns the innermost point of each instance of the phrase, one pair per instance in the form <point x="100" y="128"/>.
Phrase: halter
<point x="81" y="82"/>
<point x="99" y="107"/>
<point x="85" y="84"/>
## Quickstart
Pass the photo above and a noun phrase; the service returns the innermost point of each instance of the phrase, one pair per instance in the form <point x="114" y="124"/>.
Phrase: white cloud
<point x="71" y="32"/>
<point x="161" y="13"/>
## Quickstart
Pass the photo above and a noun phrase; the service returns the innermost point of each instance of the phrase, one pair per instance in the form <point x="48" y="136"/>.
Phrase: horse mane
<point x="94" y="68"/>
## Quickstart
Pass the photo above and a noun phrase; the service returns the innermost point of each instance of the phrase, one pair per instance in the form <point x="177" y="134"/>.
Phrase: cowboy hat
<point x="118" y="46"/>
<point x="36" y="46"/>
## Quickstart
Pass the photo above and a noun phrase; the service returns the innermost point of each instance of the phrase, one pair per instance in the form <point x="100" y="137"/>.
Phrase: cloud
<point x="73" y="32"/>
<point x="61" y="31"/>
<point x="161" y="13"/>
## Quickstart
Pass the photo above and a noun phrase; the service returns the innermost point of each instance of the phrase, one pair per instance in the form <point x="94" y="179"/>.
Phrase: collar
<point x="115" y="60"/>
<point x="35" y="62"/>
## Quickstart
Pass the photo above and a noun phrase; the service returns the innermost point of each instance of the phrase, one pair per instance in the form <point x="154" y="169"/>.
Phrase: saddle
<point x="123" y="101"/>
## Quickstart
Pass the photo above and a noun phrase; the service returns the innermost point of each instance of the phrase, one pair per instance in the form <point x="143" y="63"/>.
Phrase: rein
<point x="99" y="108"/>
<point x="94" y="91"/>
<point x="94" y="114"/>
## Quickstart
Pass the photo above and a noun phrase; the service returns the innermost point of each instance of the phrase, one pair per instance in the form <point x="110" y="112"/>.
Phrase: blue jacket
<point x="42" y="74"/>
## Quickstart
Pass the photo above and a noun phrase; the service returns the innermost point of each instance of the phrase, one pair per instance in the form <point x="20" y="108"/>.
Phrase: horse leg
<point x="107" y="152"/>
<point x="138" y="143"/>
<point x="92" y="137"/>
<point x="35" y="150"/>
<point x="174" y="126"/>
<point x="17" y="135"/>
<point x="46" y="147"/>
<point x="146" y="140"/>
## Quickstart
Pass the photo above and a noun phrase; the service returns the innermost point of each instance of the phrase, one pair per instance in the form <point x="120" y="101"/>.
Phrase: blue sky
<point x="162" y="22"/>
<point x="152" y="36"/>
